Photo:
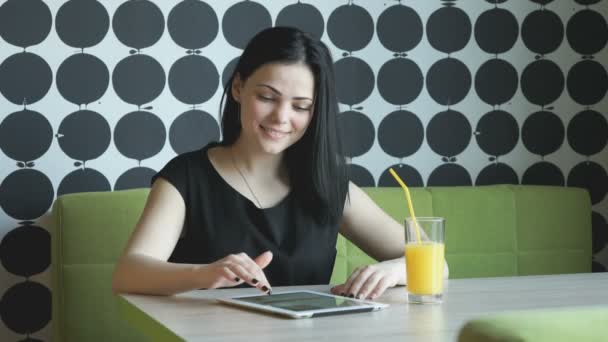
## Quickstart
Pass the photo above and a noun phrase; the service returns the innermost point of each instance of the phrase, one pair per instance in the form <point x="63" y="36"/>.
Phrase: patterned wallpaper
<point x="97" y="95"/>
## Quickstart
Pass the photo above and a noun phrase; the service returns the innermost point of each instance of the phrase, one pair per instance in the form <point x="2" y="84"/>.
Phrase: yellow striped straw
<point x="409" y="201"/>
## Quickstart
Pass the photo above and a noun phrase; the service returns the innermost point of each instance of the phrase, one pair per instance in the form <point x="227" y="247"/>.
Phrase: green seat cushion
<point x="554" y="325"/>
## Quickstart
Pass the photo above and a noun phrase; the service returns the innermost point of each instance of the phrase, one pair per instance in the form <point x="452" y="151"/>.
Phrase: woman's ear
<point x="236" y="87"/>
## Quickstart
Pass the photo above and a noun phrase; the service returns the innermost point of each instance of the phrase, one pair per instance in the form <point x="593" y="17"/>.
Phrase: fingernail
<point x="237" y="279"/>
<point x="264" y="288"/>
<point x="254" y="281"/>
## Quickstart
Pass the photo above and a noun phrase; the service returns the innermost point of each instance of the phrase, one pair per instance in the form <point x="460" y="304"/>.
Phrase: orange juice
<point x="424" y="266"/>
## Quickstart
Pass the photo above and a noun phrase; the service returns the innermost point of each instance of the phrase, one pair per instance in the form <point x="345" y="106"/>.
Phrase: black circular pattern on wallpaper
<point x="402" y="36"/>
<point x="69" y="23"/>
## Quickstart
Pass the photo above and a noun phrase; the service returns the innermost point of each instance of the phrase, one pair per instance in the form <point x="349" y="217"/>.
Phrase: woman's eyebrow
<point x="279" y="93"/>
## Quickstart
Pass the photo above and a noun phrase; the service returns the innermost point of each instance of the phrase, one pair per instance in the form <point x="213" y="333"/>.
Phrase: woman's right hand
<point x="236" y="269"/>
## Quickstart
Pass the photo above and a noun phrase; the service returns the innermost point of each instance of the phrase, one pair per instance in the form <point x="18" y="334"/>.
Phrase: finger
<point x="263" y="259"/>
<point x="338" y="290"/>
<point x="258" y="278"/>
<point x="255" y="268"/>
<point x="252" y="268"/>
<point x="365" y="273"/>
<point x="349" y="281"/>
<point x="230" y="276"/>
<point x="382" y="285"/>
<point x="243" y="274"/>
<point x="223" y="277"/>
<point x="369" y="285"/>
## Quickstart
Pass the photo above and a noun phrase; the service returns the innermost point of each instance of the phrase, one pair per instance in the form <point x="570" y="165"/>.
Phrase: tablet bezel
<point x="364" y="306"/>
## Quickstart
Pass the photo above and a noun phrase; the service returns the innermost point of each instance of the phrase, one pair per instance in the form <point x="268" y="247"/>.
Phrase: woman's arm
<point x="370" y="228"/>
<point x="378" y="235"/>
<point x="143" y="267"/>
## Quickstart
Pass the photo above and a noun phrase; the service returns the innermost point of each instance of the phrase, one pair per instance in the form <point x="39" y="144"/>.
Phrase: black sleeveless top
<point x="220" y="221"/>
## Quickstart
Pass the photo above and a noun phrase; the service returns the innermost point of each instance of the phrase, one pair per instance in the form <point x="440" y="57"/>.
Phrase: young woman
<point x="264" y="206"/>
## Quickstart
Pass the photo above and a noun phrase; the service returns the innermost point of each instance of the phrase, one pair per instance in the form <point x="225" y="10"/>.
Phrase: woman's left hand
<point x="369" y="282"/>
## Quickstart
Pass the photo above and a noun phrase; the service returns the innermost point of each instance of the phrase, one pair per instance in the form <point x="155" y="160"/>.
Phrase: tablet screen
<point x="300" y="301"/>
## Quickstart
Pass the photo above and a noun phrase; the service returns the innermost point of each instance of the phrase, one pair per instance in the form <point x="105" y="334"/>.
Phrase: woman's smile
<point x="274" y="134"/>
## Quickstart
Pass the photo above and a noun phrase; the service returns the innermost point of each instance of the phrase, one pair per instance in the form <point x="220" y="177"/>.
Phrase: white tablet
<point x="303" y="304"/>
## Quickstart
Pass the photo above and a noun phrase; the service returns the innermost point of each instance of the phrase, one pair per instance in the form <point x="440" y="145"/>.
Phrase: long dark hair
<point x="315" y="163"/>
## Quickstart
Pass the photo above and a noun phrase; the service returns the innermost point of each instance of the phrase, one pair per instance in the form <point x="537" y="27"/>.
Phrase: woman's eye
<point x="302" y="109"/>
<point x="265" y="98"/>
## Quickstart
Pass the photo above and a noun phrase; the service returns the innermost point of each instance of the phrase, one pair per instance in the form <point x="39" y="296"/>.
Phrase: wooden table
<point x="196" y="316"/>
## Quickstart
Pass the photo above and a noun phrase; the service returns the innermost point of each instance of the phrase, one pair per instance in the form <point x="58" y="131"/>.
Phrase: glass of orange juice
<point x="424" y="259"/>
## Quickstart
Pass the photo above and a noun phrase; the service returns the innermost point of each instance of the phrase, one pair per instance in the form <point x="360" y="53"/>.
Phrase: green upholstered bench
<point x="555" y="325"/>
<point x="498" y="230"/>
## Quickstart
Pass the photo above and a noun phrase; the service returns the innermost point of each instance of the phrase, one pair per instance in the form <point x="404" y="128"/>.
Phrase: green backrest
<point x="490" y="231"/>
<point x="89" y="232"/>
<point x="392" y="201"/>
<point x="498" y="230"/>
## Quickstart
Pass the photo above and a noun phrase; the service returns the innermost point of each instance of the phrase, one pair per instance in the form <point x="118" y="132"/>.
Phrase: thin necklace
<point x="244" y="179"/>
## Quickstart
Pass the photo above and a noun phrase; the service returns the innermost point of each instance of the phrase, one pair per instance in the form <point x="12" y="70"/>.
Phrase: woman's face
<point x="276" y="105"/>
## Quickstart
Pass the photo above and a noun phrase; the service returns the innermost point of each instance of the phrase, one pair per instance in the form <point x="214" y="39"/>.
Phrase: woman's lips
<point x="274" y="133"/>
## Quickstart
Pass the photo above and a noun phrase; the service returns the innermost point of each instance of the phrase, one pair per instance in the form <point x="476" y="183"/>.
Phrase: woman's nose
<point x="281" y="113"/>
